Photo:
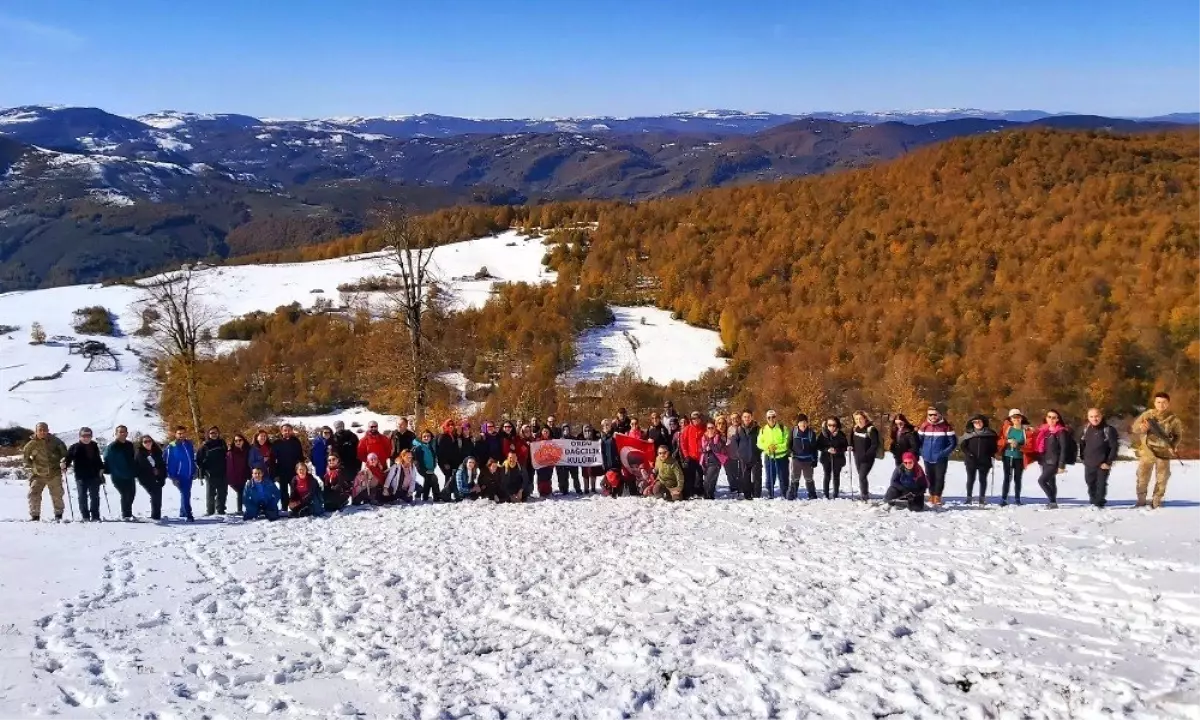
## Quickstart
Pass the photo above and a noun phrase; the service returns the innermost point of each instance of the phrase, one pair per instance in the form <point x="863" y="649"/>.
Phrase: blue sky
<point x="539" y="58"/>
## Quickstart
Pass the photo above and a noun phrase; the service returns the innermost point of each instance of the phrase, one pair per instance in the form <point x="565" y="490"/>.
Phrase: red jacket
<point x="379" y="444"/>
<point x="690" y="439"/>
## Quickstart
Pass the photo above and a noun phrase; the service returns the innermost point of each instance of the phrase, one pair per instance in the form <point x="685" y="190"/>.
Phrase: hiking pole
<point x="104" y="487"/>
<point x="70" y="501"/>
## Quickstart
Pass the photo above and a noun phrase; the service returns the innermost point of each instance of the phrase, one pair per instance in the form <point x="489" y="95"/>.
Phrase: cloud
<point x="39" y="33"/>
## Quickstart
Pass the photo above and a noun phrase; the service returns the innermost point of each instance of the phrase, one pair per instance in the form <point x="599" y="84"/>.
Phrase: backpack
<point x="1070" y="448"/>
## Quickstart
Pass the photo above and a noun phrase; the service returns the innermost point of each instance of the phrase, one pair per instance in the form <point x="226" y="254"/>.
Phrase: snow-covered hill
<point x="724" y="609"/>
<point x="103" y="399"/>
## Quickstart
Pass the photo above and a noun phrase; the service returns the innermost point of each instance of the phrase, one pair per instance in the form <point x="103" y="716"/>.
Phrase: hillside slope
<point x="1037" y="269"/>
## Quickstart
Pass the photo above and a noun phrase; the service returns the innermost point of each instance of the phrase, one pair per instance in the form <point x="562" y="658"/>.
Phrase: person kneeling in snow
<point x="669" y="476"/>
<point x="401" y="481"/>
<point x="338" y="484"/>
<point x="368" y="484"/>
<point x="467" y="479"/>
<point x="260" y="497"/>
<point x="512" y="480"/>
<point x="305" y="498"/>
<point x="908" y="483"/>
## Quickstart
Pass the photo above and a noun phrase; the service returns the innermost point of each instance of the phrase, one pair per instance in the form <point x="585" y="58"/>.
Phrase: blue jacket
<point x="910" y="480"/>
<point x="320" y="455"/>
<point x="464" y="481"/>
<point x="937" y="441"/>
<point x="181" y="460"/>
<point x="804" y="445"/>
<point x="424" y="457"/>
<point x="261" y="497"/>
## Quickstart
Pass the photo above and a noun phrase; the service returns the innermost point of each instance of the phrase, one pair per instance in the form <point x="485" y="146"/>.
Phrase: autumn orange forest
<point x="1032" y="269"/>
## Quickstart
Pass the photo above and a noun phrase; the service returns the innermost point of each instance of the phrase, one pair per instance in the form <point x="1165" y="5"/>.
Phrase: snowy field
<point x="602" y="608"/>
<point x="671" y="350"/>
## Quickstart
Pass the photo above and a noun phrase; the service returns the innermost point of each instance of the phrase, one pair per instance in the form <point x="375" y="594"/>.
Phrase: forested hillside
<point x="1030" y="269"/>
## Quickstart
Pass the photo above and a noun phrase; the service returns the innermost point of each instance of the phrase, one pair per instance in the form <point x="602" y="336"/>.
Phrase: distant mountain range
<point x="86" y="194"/>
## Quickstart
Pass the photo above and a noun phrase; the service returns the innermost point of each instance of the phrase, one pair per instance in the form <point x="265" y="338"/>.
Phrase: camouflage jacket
<point x="670" y="476"/>
<point x="1153" y="443"/>
<point x="45" y="455"/>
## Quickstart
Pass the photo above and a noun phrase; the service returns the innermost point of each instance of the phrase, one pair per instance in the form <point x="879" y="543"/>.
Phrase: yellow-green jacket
<point x="777" y="436"/>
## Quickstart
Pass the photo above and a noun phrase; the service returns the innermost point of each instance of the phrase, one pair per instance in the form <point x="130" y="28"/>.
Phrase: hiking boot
<point x="58" y="518"/>
<point x="1052" y="506"/>
<point x="34" y="518"/>
<point x="1004" y="503"/>
<point x="1156" y="503"/>
<point x="866" y="497"/>
<point x="1141" y="502"/>
<point x="982" y="500"/>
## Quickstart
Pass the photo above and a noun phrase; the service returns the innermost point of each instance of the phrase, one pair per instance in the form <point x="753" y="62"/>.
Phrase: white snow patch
<point x="649" y="342"/>
<point x="108" y="196"/>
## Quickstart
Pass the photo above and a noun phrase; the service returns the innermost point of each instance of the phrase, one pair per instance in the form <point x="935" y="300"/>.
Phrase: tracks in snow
<point x="600" y="608"/>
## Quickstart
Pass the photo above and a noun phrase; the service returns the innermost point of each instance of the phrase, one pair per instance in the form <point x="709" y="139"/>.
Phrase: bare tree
<point x="409" y="256"/>
<point x="178" y="326"/>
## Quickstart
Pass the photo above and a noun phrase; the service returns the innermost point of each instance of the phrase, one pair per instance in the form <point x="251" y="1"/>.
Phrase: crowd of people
<point x="336" y="468"/>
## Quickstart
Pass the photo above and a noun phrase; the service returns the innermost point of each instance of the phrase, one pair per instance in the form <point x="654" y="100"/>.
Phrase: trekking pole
<point x="104" y="487"/>
<point x="70" y="501"/>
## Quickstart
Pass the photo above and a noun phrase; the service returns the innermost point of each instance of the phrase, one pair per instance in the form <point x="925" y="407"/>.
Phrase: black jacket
<point x="622" y="426"/>
<point x="1098" y="445"/>
<point x="745" y="445"/>
<point x="865" y="442"/>
<point x="1059" y="449"/>
<point x="345" y="446"/>
<point x="907" y="440"/>
<point x="404" y="441"/>
<point x="151" y="467"/>
<point x="979" y="446"/>
<point x="827" y="441"/>
<point x="660" y="436"/>
<point x="211" y="459"/>
<point x="288" y="453"/>
<point x="86" y="460"/>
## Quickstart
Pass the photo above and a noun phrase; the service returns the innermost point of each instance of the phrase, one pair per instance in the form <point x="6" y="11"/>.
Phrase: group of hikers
<point x="272" y="476"/>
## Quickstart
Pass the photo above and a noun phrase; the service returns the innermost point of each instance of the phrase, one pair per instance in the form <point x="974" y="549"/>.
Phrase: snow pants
<point x="88" y="490"/>
<point x="936" y="473"/>
<point x="1149" y="464"/>
<point x="831" y="467"/>
<point x="1048" y="482"/>
<point x="802" y="469"/>
<point x="1014" y="468"/>
<point x="1097" y="484"/>
<point x="127" y="487"/>
<point x="54" y="483"/>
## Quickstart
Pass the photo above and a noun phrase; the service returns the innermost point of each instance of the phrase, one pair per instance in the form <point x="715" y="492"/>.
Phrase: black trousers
<point x="1048" y="482"/>
<point x="284" y="490"/>
<point x="916" y="501"/>
<point x="127" y="488"/>
<point x="1097" y="484"/>
<point x="691" y="478"/>
<point x="1014" y="468"/>
<point x="429" y="487"/>
<point x="977" y="471"/>
<point x="863" y="466"/>
<point x="936" y="472"/>
<point x="711" y="474"/>
<point x="89" y="497"/>
<point x="216" y="493"/>
<point x="564" y="474"/>
<point x="733" y="475"/>
<point x="751" y="480"/>
<point x="831" y="467"/>
<point x="154" y="489"/>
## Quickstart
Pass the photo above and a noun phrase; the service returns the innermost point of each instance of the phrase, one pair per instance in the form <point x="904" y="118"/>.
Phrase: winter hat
<point x="907" y="457"/>
<point x="1014" y="411"/>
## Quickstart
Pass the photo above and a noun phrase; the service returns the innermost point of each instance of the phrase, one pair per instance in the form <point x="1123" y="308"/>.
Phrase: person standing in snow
<point x="448" y="448"/>
<point x="668" y="413"/>
<point x="289" y="451"/>
<point x="938" y="441"/>
<point x="773" y="443"/>
<point x="832" y="446"/>
<point x="261" y="497"/>
<point x="320" y="450"/>
<point x="545" y="475"/>
<point x="1056" y="449"/>
<point x="568" y="475"/>
<point x="211" y="461"/>
<point x="865" y="444"/>
<point x="1098" y="447"/>
<point x="903" y="438"/>
<point x="121" y="466"/>
<point x="345" y="445"/>
<point x="690" y="439"/>
<point x="714" y="451"/>
<point x="237" y="467"/>
<point x="1016" y="441"/>
<point x="622" y="423"/>
<point x="425" y="459"/>
<point x="151" y="473"/>
<point x="262" y="454"/>
<point x="745" y="447"/>
<point x="89" y="473"/>
<point x="590" y="474"/>
<point x="180" y="458"/>
<point x="44" y="454"/>
<point x="1160" y="431"/>
<point x="979" y="447"/>
<point x="803" y="447"/>
<point x="908" y="482"/>
<point x="404" y="439"/>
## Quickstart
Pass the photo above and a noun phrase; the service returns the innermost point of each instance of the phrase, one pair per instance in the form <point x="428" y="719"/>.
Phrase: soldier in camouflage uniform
<point x="45" y="454"/>
<point x="1161" y="431"/>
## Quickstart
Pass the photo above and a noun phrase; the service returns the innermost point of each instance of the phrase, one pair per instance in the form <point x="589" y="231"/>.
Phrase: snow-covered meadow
<point x="602" y="608"/>
<point x="670" y="350"/>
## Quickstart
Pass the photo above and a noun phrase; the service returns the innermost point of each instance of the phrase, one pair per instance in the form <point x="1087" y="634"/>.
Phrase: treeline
<point x="1032" y="269"/>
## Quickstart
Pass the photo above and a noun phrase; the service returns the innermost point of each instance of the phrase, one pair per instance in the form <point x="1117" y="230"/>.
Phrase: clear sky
<point x="540" y="58"/>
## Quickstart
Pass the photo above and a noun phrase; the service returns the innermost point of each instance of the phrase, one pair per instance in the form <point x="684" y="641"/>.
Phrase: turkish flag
<point x="636" y="455"/>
